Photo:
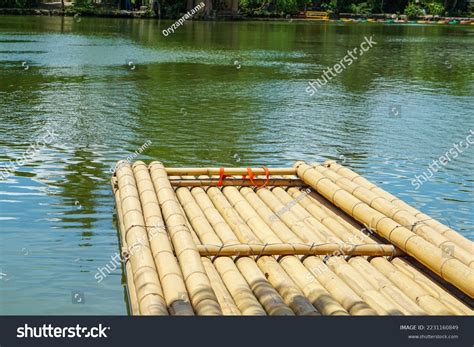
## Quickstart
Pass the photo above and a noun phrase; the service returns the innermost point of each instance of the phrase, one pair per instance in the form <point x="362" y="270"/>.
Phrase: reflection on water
<point x="107" y="86"/>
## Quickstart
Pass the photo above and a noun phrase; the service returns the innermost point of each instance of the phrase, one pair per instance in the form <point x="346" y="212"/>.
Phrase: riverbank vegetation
<point x="255" y="8"/>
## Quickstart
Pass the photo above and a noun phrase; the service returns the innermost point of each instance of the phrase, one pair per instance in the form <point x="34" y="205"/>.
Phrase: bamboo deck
<point x="310" y="240"/>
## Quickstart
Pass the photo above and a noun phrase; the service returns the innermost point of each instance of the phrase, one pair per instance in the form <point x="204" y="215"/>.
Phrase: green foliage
<point x="362" y="8"/>
<point x="413" y="11"/>
<point x="434" y="8"/>
<point x="272" y="8"/>
<point x="279" y="8"/>
<point x="18" y="3"/>
<point x="330" y="6"/>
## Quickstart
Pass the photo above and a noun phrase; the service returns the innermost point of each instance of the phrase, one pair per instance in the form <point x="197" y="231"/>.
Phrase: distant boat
<point x="315" y="15"/>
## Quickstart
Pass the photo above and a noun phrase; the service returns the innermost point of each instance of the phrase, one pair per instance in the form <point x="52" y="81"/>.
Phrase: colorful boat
<point x="314" y="15"/>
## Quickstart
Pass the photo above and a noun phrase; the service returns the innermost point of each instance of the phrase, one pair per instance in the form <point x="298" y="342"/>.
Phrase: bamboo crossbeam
<point x="299" y="249"/>
<point x="277" y="182"/>
<point x="215" y="171"/>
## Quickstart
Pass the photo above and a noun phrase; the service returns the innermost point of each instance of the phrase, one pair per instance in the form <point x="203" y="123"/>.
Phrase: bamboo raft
<point x="306" y="240"/>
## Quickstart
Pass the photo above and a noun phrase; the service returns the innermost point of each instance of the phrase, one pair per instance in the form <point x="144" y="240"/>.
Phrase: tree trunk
<point x="190" y="5"/>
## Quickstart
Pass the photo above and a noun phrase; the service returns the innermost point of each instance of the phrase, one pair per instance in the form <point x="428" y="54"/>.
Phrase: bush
<point x="362" y="8"/>
<point x="18" y="3"/>
<point x="413" y="11"/>
<point x="330" y="6"/>
<point x="434" y="8"/>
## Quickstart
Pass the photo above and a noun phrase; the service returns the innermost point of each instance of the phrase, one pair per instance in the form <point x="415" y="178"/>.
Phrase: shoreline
<point x="346" y="17"/>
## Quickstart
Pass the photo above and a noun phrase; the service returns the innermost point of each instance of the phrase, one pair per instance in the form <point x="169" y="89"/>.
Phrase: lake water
<point x="210" y="94"/>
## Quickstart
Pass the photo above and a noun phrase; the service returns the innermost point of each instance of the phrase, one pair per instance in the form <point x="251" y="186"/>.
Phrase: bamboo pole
<point x="131" y="290"/>
<point x="383" y="303"/>
<point x="298" y="249"/>
<point x="267" y="295"/>
<point x="224" y="297"/>
<point x="213" y="182"/>
<point x="326" y="233"/>
<point x="284" y="284"/>
<point x="450" y="269"/>
<point x="303" y="207"/>
<point x="398" y="215"/>
<point x="293" y="296"/>
<point x="344" y="231"/>
<point x="224" y="230"/>
<point x="145" y="277"/>
<point x="171" y="171"/>
<point x="171" y="278"/>
<point x="432" y="286"/>
<point x="199" y="288"/>
<point x="265" y="204"/>
<point x="342" y="218"/>
<point x="229" y="308"/>
<point x="385" y="286"/>
<point x="409" y="287"/>
<point x="442" y="229"/>
<point x="241" y="294"/>
<point x="424" y="299"/>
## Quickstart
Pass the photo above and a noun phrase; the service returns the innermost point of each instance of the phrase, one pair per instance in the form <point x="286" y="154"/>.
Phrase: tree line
<point x="275" y="8"/>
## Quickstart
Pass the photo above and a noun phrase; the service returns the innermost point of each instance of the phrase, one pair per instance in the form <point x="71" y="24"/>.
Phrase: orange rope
<point x="221" y="177"/>
<point x="252" y="176"/>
